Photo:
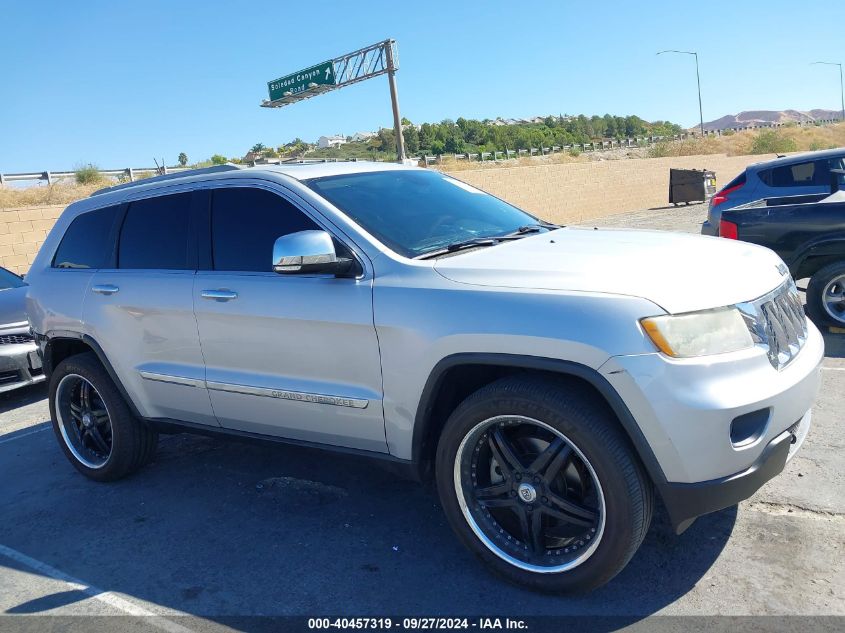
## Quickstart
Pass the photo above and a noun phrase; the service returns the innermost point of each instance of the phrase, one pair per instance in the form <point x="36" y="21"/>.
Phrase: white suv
<point x="554" y="380"/>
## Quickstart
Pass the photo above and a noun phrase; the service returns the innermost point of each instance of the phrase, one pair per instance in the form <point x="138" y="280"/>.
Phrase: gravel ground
<point x="217" y="529"/>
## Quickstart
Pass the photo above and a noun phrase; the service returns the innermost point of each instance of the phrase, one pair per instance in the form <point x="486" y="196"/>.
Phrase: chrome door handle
<point x="219" y="295"/>
<point x="104" y="289"/>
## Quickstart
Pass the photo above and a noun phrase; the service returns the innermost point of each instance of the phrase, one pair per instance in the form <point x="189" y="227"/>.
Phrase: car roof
<point x="799" y="158"/>
<point x="298" y="171"/>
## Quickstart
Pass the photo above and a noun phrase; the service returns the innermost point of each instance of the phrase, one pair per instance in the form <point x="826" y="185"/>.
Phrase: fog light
<point x="748" y="428"/>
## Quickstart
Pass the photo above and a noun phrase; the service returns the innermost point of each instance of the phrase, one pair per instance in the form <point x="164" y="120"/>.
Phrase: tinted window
<point x="245" y="223"/>
<point x="419" y="211"/>
<point x="85" y="243"/>
<point x="155" y="233"/>
<point x="797" y="175"/>
<point x="8" y="279"/>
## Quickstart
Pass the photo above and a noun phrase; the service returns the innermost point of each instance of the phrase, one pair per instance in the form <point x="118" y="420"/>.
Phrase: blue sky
<point x="117" y="84"/>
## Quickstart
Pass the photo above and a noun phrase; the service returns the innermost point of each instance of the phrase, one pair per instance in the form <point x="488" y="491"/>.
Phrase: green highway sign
<point x="321" y="75"/>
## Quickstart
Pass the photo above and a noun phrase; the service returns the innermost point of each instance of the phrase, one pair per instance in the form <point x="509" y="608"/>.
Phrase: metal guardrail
<point x="131" y="173"/>
<point x="608" y="144"/>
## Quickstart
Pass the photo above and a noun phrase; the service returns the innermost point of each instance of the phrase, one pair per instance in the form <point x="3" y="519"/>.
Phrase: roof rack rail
<point x="179" y="174"/>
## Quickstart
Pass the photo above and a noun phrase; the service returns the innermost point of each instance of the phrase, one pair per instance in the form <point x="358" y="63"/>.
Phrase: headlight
<point x="699" y="333"/>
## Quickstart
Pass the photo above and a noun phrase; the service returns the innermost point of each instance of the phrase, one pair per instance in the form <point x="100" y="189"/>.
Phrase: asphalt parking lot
<point x="215" y="528"/>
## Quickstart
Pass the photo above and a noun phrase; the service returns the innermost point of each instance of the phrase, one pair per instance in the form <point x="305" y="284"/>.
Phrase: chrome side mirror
<point x="307" y="252"/>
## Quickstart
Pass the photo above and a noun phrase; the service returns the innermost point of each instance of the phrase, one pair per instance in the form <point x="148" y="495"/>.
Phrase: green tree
<point x="426" y="135"/>
<point x="412" y="140"/>
<point x="386" y="139"/>
<point x="258" y="148"/>
<point x="183" y="159"/>
<point x="218" y="159"/>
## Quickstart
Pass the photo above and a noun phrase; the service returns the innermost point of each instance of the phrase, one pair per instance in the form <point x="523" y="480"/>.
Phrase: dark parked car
<point x="808" y="232"/>
<point x="807" y="173"/>
<point x="19" y="361"/>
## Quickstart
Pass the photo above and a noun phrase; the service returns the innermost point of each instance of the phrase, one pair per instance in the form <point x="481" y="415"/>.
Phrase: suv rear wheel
<point x="540" y="483"/>
<point x="93" y="423"/>
<point x="826" y="295"/>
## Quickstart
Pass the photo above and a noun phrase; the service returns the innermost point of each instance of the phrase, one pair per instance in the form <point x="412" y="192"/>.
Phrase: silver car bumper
<point x="20" y="364"/>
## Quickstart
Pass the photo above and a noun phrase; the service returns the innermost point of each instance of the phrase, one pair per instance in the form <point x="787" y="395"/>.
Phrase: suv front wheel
<point x="537" y="479"/>
<point x="94" y="425"/>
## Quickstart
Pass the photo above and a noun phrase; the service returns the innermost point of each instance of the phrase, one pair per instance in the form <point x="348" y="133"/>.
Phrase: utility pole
<point x="698" y="82"/>
<point x="841" y="84"/>
<point x="394" y="100"/>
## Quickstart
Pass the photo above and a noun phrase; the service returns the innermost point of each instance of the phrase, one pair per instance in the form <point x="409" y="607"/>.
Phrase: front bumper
<point x="708" y="229"/>
<point x="687" y="409"/>
<point x="686" y="502"/>
<point x="20" y="366"/>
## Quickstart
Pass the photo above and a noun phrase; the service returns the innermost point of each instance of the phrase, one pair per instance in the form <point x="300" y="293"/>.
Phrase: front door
<point x="285" y="355"/>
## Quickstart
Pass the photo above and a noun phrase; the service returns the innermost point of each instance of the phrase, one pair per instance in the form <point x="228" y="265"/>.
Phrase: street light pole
<point x="698" y="82"/>
<point x="841" y="84"/>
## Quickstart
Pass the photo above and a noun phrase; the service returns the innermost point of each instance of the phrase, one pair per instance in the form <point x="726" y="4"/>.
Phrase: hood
<point x="12" y="306"/>
<point x="677" y="271"/>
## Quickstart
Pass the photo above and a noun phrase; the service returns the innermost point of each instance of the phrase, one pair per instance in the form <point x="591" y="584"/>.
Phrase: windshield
<point x="415" y="212"/>
<point x="9" y="279"/>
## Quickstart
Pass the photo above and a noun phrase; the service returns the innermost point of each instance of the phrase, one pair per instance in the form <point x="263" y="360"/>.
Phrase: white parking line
<point x="106" y="597"/>
<point x="17" y="437"/>
<point x="833" y="368"/>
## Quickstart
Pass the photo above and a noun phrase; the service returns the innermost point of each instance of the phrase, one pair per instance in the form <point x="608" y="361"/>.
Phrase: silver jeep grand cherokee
<point x="554" y="380"/>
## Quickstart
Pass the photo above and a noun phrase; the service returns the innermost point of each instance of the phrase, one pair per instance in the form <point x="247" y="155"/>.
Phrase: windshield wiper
<point x="535" y="228"/>
<point x="488" y="241"/>
<point x="458" y="246"/>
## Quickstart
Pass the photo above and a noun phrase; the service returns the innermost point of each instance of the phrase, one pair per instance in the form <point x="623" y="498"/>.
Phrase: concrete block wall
<point x="565" y="193"/>
<point x="22" y="231"/>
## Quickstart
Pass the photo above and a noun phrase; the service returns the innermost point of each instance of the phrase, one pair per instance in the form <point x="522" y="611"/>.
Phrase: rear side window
<point x="155" y="234"/>
<point x="245" y="222"/>
<point x="797" y="175"/>
<point x="85" y="243"/>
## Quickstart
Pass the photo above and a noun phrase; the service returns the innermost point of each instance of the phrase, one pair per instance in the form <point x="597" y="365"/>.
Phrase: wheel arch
<point x="815" y="256"/>
<point x="474" y="370"/>
<point x="57" y="346"/>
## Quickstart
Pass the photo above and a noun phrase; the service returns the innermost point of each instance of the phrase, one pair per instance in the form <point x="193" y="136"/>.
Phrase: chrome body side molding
<point x="282" y="394"/>
<point x="299" y="396"/>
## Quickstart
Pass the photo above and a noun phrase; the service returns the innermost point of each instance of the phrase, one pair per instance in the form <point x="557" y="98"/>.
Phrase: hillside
<point x="748" y="118"/>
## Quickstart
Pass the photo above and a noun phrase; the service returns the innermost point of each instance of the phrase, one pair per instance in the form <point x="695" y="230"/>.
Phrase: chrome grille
<point x="777" y="322"/>
<point x="15" y="339"/>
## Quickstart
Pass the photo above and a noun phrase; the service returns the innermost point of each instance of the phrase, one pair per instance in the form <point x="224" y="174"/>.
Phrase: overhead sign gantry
<point x="365" y="63"/>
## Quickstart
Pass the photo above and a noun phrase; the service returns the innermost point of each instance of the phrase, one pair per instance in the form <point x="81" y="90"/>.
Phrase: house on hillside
<point x="331" y="141"/>
<point x="359" y="137"/>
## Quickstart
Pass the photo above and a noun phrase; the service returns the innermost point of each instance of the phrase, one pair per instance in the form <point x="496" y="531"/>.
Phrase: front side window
<point x="85" y="243"/>
<point x="245" y="223"/>
<point x="415" y="212"/>
<point x="155" y="234"/>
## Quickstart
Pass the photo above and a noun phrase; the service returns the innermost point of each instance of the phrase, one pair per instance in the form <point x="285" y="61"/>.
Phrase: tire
<point x="824" y="287"/>
<point x="614" y="498"/>
<point x="123" y="443"/>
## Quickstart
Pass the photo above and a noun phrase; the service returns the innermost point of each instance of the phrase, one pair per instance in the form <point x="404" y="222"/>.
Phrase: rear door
<point x="140" y="310"/>
<point x="294" y="356"/>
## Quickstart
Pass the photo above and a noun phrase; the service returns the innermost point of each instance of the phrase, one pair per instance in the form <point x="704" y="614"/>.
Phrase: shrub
<point x="770" y="142"/>
<point x="87" y="174"/>
<point x="218" y="159"/>
<point x="574" y="151"/>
